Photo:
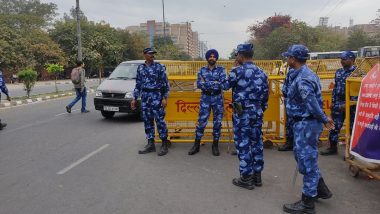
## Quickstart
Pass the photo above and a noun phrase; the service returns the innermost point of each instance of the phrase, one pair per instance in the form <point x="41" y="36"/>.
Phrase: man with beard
<point x="209" y="80"/>
<point x="250" y="93"/>
<point x="338" y="107"/>
<point x="304" y="106"/>
<point x="153" y="87"/>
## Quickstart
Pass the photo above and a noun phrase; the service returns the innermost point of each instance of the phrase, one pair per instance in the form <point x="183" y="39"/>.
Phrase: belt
<point x="151" y="89"/>
<point x="212" y="93"/>
<point x="298" y="119"/>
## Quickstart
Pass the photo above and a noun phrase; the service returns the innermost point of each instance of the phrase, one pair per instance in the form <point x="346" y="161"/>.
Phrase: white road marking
<point x="66" y="112"/>
<point x="63" y="171"/>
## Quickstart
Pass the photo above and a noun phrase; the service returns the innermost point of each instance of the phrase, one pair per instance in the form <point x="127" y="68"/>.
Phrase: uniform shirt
<point x="304" y="96"/>
<point x="3" y="87"/>
<point x="249" y="85"/>
<point x="151" y="77"/>
<point x="211" y="80"/>
<point x="287" y="82"/>
<point x="339" y="91"/>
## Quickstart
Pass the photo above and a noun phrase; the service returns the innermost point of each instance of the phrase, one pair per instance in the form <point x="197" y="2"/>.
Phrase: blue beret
<point x="244" y="47"/>
<point x="347" y="55"/>
<point x="212" y="51"/>
<point x="300" y="52"/>
<point x="149" y="51"/>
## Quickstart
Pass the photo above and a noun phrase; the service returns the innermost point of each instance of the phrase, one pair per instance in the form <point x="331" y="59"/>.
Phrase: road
<point x="54" y="162"/>
<point x="17" y="90"/>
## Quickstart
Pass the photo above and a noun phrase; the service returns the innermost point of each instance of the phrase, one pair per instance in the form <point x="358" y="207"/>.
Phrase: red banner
<point x="365" y="141"/>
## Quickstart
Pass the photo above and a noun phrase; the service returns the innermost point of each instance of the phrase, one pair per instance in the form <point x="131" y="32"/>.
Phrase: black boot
<point x="215" y="148"/>
<point x="305" y="205"/>
<point x="323" y="190"/>
<point x="288" y="146"/>
<point x="244" y="182"/>
<point x="332" y="150"/>
<point x="150" y="147"/>
<point x="257" y="179"/>
<point x="195" y="148"/>
<point x="164" y="148"/>
<point x="2" y="125"/>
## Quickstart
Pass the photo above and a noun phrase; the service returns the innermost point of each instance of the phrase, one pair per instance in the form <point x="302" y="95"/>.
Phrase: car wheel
<point x="108" y="114"/>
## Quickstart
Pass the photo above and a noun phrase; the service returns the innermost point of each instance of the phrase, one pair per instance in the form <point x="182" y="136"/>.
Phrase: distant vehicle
<point x="327" y="55"/>
<point x="115" y="93"/>
<point x="369" y="51"/>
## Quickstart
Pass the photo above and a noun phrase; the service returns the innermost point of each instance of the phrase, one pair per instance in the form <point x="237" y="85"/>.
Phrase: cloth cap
<point x="243" y="48"/>
<point x="347" y="55"/>
<point x="149" y="51"/>
<point x="300" y="52"/>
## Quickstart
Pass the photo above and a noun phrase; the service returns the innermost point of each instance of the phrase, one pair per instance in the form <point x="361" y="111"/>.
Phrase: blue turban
<point x="212" y="51"/>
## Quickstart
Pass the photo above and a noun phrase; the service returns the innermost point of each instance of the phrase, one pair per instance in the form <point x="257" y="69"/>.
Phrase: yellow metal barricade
<point x="183" y="102"/>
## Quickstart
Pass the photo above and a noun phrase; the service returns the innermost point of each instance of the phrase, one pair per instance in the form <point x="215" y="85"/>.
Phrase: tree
<point x="54" y="69"/>
<point x="358" y="38"/>
<point x="261" y="30"/>
<point x="28" y="78"/>
<point x="166" y="49"/>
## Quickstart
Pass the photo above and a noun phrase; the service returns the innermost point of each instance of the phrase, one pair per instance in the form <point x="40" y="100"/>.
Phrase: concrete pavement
<point x="41" y="140"/>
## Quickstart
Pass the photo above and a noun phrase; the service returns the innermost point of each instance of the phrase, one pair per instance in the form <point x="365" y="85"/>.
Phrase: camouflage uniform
<point x="209" y="81"/>
<point x="152" y="85"/>
<point x="250" y="89"/>
<point x="4" y="89"/>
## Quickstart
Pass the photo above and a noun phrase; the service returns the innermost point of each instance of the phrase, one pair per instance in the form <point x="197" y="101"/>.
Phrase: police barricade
<point x="183" y="103"/>
<point x="353" y="84"/>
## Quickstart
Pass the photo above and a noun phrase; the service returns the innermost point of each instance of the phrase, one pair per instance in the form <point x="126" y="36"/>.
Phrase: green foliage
<point x="29" y="78"/>
<point x="167" y="50"/>
<point x="358" y="38"/>
<point x="54" y="69"/>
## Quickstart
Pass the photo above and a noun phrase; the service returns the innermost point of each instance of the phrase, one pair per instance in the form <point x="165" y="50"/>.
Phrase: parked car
<point x="114" y="94"/>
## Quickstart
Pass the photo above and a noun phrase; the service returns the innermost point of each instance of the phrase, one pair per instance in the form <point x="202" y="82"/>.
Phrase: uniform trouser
<point x="306" y="134"/>
<point x="289" y="130"/>
<point x="248" y="140"/>
<point x="208" y="103"/>
<point x="338" y="117"/>
<point x="152" y="110"/>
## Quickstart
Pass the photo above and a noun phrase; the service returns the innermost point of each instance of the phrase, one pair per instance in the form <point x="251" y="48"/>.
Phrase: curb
<point x="38" y="99"/>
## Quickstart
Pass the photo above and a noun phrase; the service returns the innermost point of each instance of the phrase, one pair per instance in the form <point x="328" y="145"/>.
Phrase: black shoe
<point x="234" y="152"/>
<point x="195" y="148"/>
<point x="68" y="109"/>
<point x="257" y="179"/>
<point x="305" y="205"/>
<point x="150" y="147"/>
<point x="85" y="111"/>
<point x="244" y="182"/>
<point x="164" y="148"/>
<point x="215" y="148"/>
<point x="332" y="150"/>
<point x="288" y="146"/>
<point x="2" y="126"/>
<point x="323" y="190"/>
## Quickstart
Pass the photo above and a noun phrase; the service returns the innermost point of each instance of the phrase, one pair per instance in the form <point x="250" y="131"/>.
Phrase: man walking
<point x="4" y="89"/>
<point x="338" y="108"/>
<point x="250" y="94"/>
<point x="153" y="87"/>
<point x="209" y="81"/>
<point x="304" y="106"/>
<point x="78" y="77"/>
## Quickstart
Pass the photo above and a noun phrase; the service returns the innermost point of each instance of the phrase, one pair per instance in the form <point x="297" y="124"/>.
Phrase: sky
<point x="221" y="23"/>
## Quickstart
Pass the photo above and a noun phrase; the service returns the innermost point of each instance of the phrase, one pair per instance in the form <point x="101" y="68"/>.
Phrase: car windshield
<point x="124" y="71"/>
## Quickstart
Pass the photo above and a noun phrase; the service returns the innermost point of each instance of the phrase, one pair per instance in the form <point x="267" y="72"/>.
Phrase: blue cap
<point x="347" y="55"/>
<point x="212" y="51"/>
<point x="300" y="52"/>
<point x="149" y="51"/>
<point x="244" y="47"/>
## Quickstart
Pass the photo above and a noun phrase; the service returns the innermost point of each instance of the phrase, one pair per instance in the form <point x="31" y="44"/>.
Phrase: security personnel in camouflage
<point x="304" y="106"/>
<point x="153" y="87"/>
<point x="3" y="89"/>
<point x="209" y="80"/>
<point x="288" y="146"/>
<point x="250" y="94"/>
<point x="338" y="108"/>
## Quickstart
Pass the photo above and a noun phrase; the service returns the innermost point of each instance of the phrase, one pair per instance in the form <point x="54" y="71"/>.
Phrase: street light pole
<point x="163" y="17"/>
<point x="80" y="57"/>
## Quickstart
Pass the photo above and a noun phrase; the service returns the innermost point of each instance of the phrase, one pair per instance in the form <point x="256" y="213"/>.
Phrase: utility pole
<point x="163" y="17"/>
<point x="80" y="56"/>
